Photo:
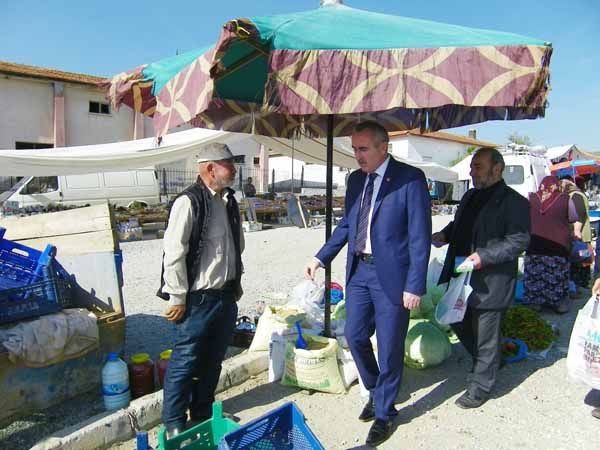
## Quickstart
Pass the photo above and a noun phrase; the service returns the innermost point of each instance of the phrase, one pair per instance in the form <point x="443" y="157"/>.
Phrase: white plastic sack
<point x="276" y="357"/>
<point x="583" y="358"/>
<point x="452" y="306"/>
<point x="434" y="291"/>
<point x="315" y="367"/>
<point x="307" y="296"/>
<point x="346" y="364"/>
<point x="275" y="319"/>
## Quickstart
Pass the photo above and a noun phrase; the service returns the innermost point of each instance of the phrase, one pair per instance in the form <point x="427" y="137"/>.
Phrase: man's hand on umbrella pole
<point x="311" y="269"/>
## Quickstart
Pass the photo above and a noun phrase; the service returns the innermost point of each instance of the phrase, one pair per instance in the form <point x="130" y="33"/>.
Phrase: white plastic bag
<point x="453" y="304"/>
<point x="346" y="364"/>
<point x="307" y="296"/>
<point x="583" y="358"/>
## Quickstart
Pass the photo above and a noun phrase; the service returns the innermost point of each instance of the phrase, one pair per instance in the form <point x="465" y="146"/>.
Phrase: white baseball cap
<point x="214" y="152"/>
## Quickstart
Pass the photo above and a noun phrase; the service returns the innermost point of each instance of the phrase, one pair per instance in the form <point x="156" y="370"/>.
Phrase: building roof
<point x="443" y="137"/>
<point x="47" y="74"/>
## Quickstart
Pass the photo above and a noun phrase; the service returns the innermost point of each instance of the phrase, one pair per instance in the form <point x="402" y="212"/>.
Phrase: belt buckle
<point x="367" y="258"/>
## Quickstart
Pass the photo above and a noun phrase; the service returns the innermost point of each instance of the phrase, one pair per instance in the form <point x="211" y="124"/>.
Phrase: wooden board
<point x="73" y="232"/>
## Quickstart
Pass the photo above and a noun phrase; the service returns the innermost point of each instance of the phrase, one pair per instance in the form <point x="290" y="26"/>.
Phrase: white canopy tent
<point x="148" y="152"/>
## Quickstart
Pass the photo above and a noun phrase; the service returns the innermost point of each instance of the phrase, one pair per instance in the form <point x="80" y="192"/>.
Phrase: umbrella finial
<point x="331" y="2"/>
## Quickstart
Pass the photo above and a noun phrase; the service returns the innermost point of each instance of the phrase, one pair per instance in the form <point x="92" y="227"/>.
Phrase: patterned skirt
<point x="545" y="280"/>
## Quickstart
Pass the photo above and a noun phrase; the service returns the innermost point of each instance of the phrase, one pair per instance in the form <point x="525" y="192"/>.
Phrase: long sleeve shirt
<point x="217" y="265"/>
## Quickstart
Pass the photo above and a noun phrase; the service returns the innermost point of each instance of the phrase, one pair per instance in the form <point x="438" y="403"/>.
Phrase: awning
<point x="141" y="153"/>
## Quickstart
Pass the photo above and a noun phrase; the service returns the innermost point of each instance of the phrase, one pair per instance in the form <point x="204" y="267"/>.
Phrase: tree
<point x="518" y="139"/>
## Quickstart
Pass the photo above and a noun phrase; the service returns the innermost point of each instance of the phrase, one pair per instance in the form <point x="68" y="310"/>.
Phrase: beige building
<point x="42" y="108"/>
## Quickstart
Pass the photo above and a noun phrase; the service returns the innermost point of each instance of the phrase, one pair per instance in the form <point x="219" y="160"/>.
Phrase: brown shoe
<point x="596" y="413"/>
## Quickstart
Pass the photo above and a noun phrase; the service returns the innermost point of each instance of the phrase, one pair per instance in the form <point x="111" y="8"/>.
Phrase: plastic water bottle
<point x="115" y="383"/>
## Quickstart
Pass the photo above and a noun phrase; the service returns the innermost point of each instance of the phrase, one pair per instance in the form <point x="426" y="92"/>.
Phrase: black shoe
<point x="596" y="413"/>
<point x="368" y="412"/>
<point x="171" y="432"/>
<point x="380" y="431"/>
<point x="466" y="401"/>
<point x="193" y="422"/>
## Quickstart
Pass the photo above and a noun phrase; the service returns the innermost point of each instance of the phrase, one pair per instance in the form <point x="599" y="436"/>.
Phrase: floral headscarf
<point x="548" y="192"/>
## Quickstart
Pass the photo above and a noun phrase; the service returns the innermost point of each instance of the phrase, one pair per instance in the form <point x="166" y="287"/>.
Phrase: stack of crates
<point x="32" y="283"/>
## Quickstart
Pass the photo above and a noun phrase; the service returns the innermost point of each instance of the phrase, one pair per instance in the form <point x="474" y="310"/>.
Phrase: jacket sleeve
<point x="336" y="242"/>
<point x="418" y="204"/>
<point x="517" y="234"/>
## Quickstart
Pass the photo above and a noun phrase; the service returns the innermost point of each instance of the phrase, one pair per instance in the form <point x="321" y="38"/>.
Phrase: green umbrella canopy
<point x="281" y="75"/>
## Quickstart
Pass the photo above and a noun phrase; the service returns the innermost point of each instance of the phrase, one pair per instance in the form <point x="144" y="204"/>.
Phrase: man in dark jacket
<point x="491" y="229"/>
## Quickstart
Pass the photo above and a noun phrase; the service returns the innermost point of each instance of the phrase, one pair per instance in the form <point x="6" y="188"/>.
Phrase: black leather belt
<point x="365" y="257"/>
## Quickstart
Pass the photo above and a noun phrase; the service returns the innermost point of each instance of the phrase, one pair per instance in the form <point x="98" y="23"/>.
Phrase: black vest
<point x="200" y="198"/>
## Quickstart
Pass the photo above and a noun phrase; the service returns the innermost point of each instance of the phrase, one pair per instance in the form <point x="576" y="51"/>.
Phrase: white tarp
<point x="117" y="156"/>
<point x="559" y="152"/>
<point x="176" y="146"/>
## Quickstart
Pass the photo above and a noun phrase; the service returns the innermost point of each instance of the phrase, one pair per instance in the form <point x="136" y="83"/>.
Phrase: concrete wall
<point x="26" y="111"/>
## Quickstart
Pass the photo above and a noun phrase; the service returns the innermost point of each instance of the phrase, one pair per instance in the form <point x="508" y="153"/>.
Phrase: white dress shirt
<point x="380" y="171"/>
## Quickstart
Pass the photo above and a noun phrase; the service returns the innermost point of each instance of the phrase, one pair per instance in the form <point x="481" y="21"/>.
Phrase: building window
<point x="239" y="159"/>
<point x="257" y="161"/>
<point x="99" y="108"/>
<point x="31" y="145"/>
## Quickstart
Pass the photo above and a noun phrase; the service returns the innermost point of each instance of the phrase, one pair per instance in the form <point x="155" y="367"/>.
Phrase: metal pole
<point x="328" y="221"/>
<point x="273" y="183"/>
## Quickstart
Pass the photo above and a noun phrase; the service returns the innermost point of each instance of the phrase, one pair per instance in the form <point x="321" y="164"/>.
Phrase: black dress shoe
<point x="368" y="412"/>
<point x="380" y="431"/>
<point x="467" y="401"/>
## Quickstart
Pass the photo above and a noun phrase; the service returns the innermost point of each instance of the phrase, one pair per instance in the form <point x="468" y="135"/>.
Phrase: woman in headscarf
<point x="546" y="274"/>
<point x="581" y="229"/>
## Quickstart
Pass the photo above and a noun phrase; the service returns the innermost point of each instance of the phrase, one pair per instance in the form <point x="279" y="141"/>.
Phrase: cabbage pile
<point x="425" y="345"/>
<point x="427" y="341"/>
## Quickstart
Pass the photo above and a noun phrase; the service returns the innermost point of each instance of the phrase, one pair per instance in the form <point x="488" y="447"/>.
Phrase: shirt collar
<point x="380" y="171"/>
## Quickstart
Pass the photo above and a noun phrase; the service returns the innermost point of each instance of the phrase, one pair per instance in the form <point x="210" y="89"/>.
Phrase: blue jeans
<point x="200" y="340"/>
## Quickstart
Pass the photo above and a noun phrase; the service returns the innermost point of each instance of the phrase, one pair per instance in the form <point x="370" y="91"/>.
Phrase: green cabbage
<point x="425" y="345"/>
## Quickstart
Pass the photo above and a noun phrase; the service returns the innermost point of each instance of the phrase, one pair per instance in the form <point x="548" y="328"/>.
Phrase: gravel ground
<point x="536" y="407"/>
<point x="533" y="407"/>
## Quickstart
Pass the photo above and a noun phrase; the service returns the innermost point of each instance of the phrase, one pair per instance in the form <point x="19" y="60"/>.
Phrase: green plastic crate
<point x="204" y="436"/>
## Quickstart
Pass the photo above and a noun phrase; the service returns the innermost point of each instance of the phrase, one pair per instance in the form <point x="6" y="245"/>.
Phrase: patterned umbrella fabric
<point x="284" y="75"/>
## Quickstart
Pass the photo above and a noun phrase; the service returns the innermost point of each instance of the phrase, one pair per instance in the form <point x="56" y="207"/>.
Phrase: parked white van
<point x="118" y="188"/>
<point x="524" y="171"/>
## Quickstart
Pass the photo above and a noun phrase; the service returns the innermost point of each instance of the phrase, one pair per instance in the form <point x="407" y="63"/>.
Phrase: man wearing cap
<point x="202" y="269"/>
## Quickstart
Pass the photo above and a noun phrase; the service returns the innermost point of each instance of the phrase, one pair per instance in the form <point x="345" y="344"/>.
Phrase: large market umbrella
<point x="316" y="73"/>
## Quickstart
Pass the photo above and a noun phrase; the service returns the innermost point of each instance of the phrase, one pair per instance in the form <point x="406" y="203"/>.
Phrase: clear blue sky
<point x="107" y="37"/>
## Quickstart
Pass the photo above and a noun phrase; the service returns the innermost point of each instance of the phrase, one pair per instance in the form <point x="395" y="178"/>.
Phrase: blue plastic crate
<point x="32" y="283"/>
<point x="283" y="428"/>
<point x="21" y="265"/>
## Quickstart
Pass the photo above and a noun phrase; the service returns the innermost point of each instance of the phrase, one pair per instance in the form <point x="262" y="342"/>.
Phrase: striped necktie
<point x="363" y="215"/>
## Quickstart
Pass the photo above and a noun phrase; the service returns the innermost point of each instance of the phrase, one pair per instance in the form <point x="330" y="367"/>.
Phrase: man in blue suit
<point x="387" y="224"/>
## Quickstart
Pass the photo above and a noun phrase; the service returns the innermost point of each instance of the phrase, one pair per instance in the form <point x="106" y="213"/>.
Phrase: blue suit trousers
<point x="369" y="310"/>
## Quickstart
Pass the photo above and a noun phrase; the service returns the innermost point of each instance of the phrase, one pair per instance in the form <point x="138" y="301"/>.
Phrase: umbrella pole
<point x="328" y="221"/>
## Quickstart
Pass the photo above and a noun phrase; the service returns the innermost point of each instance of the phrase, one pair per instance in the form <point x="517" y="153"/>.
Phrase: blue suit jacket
<point x="400" y="230"/>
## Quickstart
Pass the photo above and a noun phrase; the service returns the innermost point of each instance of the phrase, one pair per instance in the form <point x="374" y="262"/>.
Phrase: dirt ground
<point x="534" y="406"/>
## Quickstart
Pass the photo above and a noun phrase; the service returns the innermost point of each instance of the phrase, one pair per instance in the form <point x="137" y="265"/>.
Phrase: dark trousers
<point x="479" y="332"/>
<point x="200" y="341"/>
<point x="368" y="309"/>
